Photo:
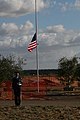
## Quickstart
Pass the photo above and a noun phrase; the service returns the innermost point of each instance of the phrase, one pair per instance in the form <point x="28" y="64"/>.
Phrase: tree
<point x="77" y="74"/>
<point x="8" y="65"/>
<point x="67" y="70"/>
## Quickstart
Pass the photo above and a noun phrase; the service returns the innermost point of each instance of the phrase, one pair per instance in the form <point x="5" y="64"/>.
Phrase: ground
<point x="54" y="108"/>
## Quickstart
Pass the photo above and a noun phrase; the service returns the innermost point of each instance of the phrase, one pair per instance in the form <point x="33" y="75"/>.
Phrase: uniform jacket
<point x="16" y="82"/>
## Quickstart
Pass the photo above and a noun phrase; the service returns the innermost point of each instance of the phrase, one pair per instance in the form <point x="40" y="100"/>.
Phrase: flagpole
<point x="37" y="60"/>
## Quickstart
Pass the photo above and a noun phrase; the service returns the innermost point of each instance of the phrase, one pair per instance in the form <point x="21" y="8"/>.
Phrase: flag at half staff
<point x="33" y="44"/>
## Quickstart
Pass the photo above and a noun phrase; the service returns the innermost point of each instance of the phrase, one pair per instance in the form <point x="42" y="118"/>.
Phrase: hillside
<point x="48" y="82"/>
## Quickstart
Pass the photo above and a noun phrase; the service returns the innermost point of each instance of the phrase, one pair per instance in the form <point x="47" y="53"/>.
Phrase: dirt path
<point x="53" y="101"/>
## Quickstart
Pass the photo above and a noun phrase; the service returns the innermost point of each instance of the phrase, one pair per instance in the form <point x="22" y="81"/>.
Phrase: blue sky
<point x="58" y="30"/>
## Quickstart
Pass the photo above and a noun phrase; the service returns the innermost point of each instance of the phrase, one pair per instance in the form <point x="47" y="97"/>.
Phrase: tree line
<point x="68" y="69"/>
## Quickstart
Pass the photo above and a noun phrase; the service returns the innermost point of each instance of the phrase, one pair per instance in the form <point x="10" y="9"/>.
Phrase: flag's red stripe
<point x="30" y="49"/>
<point x="32" y="45"/>
<point x="33" y="42"/>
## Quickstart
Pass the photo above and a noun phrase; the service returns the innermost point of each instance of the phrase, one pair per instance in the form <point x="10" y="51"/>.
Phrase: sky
<point x="58" y="30"/>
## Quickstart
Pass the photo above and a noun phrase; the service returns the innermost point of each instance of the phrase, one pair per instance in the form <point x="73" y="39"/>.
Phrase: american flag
<point x="33" y="43"/>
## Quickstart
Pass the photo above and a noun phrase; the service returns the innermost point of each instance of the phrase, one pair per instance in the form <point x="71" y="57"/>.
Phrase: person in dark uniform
<point x="16" y="86"/>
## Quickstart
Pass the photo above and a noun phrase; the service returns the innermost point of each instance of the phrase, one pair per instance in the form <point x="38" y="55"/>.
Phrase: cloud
<point x="15" y="8"/>
<point x="57" y="43"/>
<point x="64" y="6"/>
<point x="55" y="29"/>
<point x="69" y="6"/>
<point x="60" y="5"/>
<point x="77" y="4"/>
<point x="27" y="27"/>
<point x="57" y="35"/>
<point x="12" y="35"/>
<point x="8" y="29"/>
<point x="76" y="40"/>
<point x="54" y="42"/>
<point x="5" y="42"/>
